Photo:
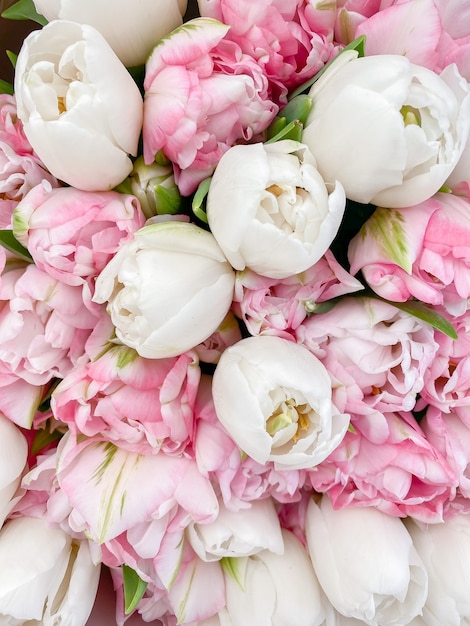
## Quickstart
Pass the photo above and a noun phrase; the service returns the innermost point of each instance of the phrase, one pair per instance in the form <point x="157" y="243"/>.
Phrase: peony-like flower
<point x="290" y="40"/>
<point x="72" y="234"/>
<point x="377" y="354"/>
<point x="269" y="588"/>
<point x="445" y="552"/>
<point x="132" y="31"/>
<point x="46" y="577"/>
<point x="81" y="109"/>
<point x="270" y="197"/>
<point x="366" y="564"/>
<point x="420" y="251"/>
<point x="202" y="94"/>
<point x="274" y="399"/>
<point x="44" y="325"/>
<point x="141" y="405"/>
<point x="278" y="306"/>
<point x="20" y="168"/>
<point x="390" y="131"/>
<point x="387" y="462"/>
<point x="168" y="289"/>
<point x="13" y="457"/>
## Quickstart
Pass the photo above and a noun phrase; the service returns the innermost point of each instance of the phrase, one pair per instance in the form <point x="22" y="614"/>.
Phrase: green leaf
<point x="275" y="127"/>
<point x="298" y="108"/>
<point x="24" y="10"/>
<point x="200" y="198"/>
<point x="12" y="56"/>
<point x="293" y="131"/>
<point x="6" y="87"/>
<point x="358" y="45"/>
<point x="8" y="241"/>
<point x="426" y="314"/>
<point x="134" y="588"/>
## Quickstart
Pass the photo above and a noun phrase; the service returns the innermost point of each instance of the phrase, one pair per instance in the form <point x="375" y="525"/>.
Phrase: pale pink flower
<point x="43" y="326"/>
<point x="202" y="95"/>
<point x="72" y="234"/>
<point x="427" y="258"/>
<point x="110" y="492"/>
<point x="290" y="40"/>
<point x="141" y="405"/>
<point x="447" y="378"/>
<point x="279" y="306"/>
<point x="20" y="168"/>
<point x="450" y="434"/>
<point x="376" y="354"/>
<point x="388" y="463"/>
<point x="228" y="333"/>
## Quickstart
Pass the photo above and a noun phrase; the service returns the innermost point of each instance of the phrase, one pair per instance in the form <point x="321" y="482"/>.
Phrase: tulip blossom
<point x="142" y="405"/>
<point x="291" y="40"/>
<point x="445" y="552"/>
<point x="390" y="131"/>
<point x="202" y="95"/>
<point x="132" y="32"/>
<point x="366" y="564"/>
<point x="81" y="109"/>
<point x="13" y="456"/>
<point x="72" y="234"/>
<point x="20" y="168"/>
<point x="236" y="534"/>
<point x="377" y="354"/>
<point x="279" y="306"/>
<point x="274" y="399"/>
<point x="269" y="588"/>
<point x="270" y="197"/>
<point x="167" y="289"/>
<point x="46" y="577"/>
<point x="426" y="257"/>
<point x="110" y="492"/>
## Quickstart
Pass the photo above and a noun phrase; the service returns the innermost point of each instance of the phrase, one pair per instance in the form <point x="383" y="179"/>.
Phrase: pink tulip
<point x="279" y="306"/>
<point x="141" y="405"/>
<point x="388" y="463"/>
<point x="110" y="492"/>
<point x="72" y="234"/>
<point x="376" y="354"/>
<point x="291" y="40"/>
<point x="202" y="94"/>
<point x="20" y="168"/>
<point x="43" y="326"/>
<point x="427" y="258"/>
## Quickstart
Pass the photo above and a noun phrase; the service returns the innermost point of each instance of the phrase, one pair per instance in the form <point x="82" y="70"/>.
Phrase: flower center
<point x="410" y="115"/>
<point x="292" y="418"/>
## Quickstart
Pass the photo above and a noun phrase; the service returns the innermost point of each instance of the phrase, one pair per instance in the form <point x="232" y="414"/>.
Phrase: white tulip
<point x="390" y="131"/>
<point x="131" y="30"/>
<point x="238" y="533"/>
<point x="270" y="210"/>
<point x="45" y="575"/>
<point x="445" y="551"/>
<point x="82" y="111"/>
<point x="13" y="456"/>
<point x="366" y="563"/>
<point x="274" y="590"/>
<point x="273" y="397"/>
<point x="168" y="289"/>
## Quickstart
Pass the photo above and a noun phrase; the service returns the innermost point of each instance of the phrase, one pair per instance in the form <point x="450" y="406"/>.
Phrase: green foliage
<point x="134" y="588"/>
<point x="24" y="10"/>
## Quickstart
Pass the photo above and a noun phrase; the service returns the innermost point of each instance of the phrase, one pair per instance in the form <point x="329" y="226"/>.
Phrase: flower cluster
<point x="234" y="313"/>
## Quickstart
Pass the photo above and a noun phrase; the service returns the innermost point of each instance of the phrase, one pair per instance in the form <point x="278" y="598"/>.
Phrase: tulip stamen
<point x="410" y="115"/>
<point x="61" y="104"/>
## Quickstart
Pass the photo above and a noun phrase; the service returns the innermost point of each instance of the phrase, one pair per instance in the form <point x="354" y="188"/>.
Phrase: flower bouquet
<point x="234" y="314"/>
